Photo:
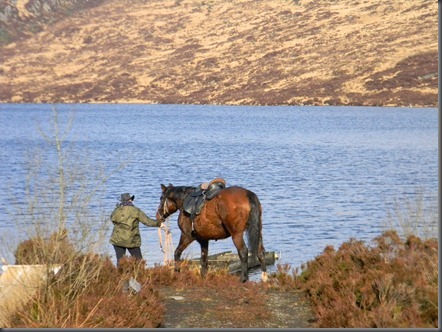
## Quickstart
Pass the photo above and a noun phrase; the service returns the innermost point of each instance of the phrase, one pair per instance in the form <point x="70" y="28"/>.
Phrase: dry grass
<point x="418" y="216"/>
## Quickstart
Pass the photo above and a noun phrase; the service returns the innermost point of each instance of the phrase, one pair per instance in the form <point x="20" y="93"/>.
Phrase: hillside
<point x="238" y="52"/>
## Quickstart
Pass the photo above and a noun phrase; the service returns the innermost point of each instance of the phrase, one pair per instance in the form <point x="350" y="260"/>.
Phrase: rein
<point x="168" y="236"/>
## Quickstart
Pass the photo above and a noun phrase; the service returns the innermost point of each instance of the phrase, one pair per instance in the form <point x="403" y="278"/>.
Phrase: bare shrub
<point x="55" y="216"/>
<point x="417" y="216"/>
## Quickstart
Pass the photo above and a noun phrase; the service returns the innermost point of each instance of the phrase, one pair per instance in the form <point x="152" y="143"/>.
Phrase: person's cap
<point x="127" y="197"/>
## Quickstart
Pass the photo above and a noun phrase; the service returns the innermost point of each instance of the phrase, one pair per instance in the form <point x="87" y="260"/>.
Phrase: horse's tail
<point x="254" y="223"/>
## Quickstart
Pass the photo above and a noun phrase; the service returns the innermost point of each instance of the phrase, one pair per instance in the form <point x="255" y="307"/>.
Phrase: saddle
<point x="194" y="203"/>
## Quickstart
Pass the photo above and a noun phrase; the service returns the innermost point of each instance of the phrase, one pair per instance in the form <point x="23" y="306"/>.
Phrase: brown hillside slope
<point x="240" y="52"/>
<point x="20" y="19"/>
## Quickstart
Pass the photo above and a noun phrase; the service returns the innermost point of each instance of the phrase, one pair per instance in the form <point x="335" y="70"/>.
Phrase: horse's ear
<point x="170" y="185"/>
<point x="163" y="187"/>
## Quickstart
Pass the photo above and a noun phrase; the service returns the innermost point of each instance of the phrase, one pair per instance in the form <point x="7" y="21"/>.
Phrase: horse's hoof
<point x="177" y="269"/>
<point x="264" y="277"/>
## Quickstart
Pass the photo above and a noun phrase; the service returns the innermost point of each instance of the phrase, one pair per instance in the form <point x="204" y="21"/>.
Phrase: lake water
<point x="323" y="174"/>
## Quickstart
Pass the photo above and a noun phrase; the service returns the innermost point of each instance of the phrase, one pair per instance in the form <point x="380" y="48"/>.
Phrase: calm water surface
<point x="323" y="174"/>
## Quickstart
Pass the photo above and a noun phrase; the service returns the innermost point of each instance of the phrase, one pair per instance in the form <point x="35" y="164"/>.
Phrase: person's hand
<point x="162" y="226"/>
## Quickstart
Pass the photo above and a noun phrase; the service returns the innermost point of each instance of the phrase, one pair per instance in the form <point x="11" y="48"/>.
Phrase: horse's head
<point x="168" y="204"/>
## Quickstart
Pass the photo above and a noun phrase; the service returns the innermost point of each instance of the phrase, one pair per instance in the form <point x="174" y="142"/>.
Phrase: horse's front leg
<point x="204" y="260"/>
<point x="185" y="240"/>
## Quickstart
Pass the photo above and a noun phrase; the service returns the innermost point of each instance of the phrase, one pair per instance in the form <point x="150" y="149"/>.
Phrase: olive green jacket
<point x="126" y="232"/>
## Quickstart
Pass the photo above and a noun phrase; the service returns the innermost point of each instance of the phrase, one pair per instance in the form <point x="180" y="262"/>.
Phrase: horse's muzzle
<point x="160" y="216"/>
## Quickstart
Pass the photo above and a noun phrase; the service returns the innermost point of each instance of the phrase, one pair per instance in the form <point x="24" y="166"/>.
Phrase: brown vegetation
<point x="88" y="292"/>
<point x="242" y="52"/>
<point x="107" y="301"/>
<point x="391" y="284"/>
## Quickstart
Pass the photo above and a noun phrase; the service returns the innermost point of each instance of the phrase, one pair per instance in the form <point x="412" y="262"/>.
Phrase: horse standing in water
<point x="233" y="212"/>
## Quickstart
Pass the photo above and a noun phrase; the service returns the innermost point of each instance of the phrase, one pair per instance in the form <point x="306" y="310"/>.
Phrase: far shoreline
<point x="128" y="102"/>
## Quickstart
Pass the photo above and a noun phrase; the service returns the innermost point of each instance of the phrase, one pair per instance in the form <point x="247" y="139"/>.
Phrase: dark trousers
<point x="120" y="251"/>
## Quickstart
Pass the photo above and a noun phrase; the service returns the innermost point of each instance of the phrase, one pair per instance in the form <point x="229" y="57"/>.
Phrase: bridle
<point x="164" y="213"/>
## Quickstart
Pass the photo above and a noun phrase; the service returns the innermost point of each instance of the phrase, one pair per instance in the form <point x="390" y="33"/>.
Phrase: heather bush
<point x="393" y="284"/>
<point x="104" y="301"/>
<point x="56" y="249"/>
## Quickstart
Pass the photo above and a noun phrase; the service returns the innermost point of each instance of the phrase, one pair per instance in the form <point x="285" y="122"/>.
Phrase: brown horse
<point x="233" y="212"/>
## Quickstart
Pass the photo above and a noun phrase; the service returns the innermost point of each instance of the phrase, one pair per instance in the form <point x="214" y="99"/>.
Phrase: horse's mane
<point x="182" y="191"/>
<point x="184" y="188"/>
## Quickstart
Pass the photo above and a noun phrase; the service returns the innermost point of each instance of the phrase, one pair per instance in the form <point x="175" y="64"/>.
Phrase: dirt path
<point x="195" y="308"/>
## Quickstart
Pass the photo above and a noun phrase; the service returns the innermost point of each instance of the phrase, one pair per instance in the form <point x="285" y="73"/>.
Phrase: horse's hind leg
<point x="262" y="260"/>
<point x="243" y="254"/>
<point x="204" y="260"/>
<point x="182" y="245"/>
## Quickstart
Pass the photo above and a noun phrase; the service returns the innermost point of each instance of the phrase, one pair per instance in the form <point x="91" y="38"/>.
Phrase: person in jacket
<point x="126" y="233"/>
